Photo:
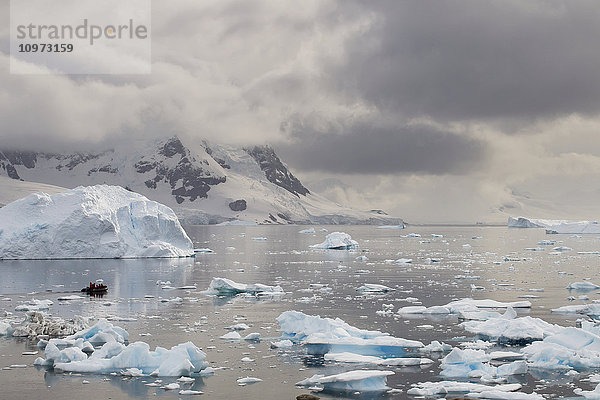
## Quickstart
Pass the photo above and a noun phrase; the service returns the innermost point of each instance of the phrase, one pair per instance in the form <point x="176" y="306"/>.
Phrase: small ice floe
<point x="510" y="329"/>
<point x="475" y="363"/>
<point x="403" y="261"/>
<point x="203" y="251"/>
<point x="391" y="226"/>
<point x="227" y="287"/>
<point x="546" y="243"/>
<point x="38" y="323"/>
<point x="585" y="309"/>
<point x="248" y="380"/>
<point x="362" y="258"/>
<point x="374" y="288"/>
<point x="171" y="386"/>
<point x="465" y="308"/>
<point x="231" y="336"/>
<point x="430" y="389"/>
<point x="337" y="241"/>
<point x="436" y="347"/>
<point x="260" y="239"/>
<point x="561" y="248"/>
<point x="413" y="235"/>
<point x="281" y="344"/>
<point x="571" y="348"/>
<point x="435" y="235"/>
<point x="115" y="356"/>
<point x="307" y="231"/>
<point x="591" y="394"/>
<point x="355" y="381"/>
<point x="133" y="372"/>
<point x="506" y="356"/>
<point x="252" y="337"/>
<point x="34" y="305"/>
<point x="189" y="392"/>
<point x="360" y="359"/>
<point x="583" y="286"/>
<point x="186" y="380"/>
<point x="238" y="327"/>
<point x="324" y="335"/>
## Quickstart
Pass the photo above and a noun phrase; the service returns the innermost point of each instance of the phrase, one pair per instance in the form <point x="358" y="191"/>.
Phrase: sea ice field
<point x="265" y="312"/>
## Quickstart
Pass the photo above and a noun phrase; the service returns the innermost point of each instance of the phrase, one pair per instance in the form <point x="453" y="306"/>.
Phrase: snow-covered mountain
<point x="204" y="183"/>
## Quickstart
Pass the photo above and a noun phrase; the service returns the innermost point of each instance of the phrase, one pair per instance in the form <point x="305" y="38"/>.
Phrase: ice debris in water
<point x="224" y="286"/>
<point x="583" y="286"/>
<point x="90" y="222"/>
<point x="324" y="335"/>
<point x="466" y="306"/>
<point x="114" y="356"/>
<point x="475" y="363"/>
<point x="38" y="323"/>
<point x="360" y="359"/>
<point x="359" y="380"/>
<point x="430" y="389"/>
<point x="374" y="288"/>
<point x="592" y="394"/>
<point x="337" y="241"/>
<point x="34" y="305"/>
<point x="307" y="231"/>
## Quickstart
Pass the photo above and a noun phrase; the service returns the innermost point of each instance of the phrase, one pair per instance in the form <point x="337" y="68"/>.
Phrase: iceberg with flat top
<point x="429" y="389"/>
<point x="337" y="241"/>
<point x="325" y="335"/>
<point x="359" y="380"/>
<point x="555" y="225"/>
<point x="224" y="286"/>
<point x="90" y="222"/>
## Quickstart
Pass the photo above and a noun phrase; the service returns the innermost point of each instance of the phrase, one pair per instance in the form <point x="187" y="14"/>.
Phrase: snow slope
<point x="203" y="183"/>
<point x="11" y="189"/>
<point x="90" y="222"/>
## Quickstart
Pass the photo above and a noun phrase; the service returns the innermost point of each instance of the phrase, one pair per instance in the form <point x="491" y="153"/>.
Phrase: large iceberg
<point x="360" y="380"/>
<point x="555" y="225"/>
<point x="90" y="222"/>
<point x="324" y="335"/>
<point x="337" y="241"/>
<point x="115" y="355"/>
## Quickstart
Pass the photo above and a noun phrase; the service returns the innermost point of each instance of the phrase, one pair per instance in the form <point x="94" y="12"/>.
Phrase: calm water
<point x="284" y="259"/>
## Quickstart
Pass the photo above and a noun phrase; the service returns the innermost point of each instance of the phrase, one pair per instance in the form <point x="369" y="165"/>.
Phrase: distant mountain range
<point x="204" y="183"/>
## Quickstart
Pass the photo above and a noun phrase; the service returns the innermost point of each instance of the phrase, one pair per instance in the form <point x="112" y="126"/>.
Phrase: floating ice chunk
<point x="546" y="243"/>
<point x="374" y="288"/>
<point x="171" y="386"/>
<point x="37" y="323"/>
<point x="413" y="235"/>
<point x="337" y="241"/>
<point x="34" y="305"/>
<point x="252" y="337"/>
<point x="436" y="347"/>
<point x="495" y="394"/>
<point x="391" y="226"/>
<point x="260" y="239"/>
<point x="102" y="332"/>
<point x="462" y="363"/>
<point x="90" y="222"/>
<point x="190" y="392"/>
<point x="487" y="303"/>
<point x="133" y="372"/>
<point x="282" y="344"/>
<point x="224" y="286"/>
<point x="506" y="355"/>
<point x="592" y="394"/>
<point x="412" y="310"/>
<point x="403" y="261"/>
<point x="307" y="231"/>
<point x="362" y="258"/>
<point x="434" y="388"/>
<point x="182" y="359"/>
<point x="562" y="248"/>
<point x="70" y="298"/>
<point x="359" y="380"/>
<point x="513" y="368"/>
<point x="583" y="286"/>
<point x="357" y="358"/>
<point x="5" y="328"/>
<point x="507" y="328"/>
<point x="323" y="335"/>
<point x="238" y="327"/>
<point x="248" y="380"/>
<point x="231" y="336"/>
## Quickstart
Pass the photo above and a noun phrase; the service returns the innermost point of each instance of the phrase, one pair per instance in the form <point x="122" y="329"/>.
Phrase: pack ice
<point x="111" y="354"/>
<point x="90" y="222"/>
<point x="337" y="241"/>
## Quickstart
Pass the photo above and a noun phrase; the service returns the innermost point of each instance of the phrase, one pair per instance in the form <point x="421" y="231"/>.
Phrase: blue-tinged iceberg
<point x="90" y="222"/>
<point x="337" y="241"/>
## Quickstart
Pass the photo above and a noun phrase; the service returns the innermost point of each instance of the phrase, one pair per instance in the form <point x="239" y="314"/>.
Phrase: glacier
<point x="90" y="222"/>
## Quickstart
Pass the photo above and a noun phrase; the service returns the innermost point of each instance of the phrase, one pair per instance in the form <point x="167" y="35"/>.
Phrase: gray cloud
<point x="477" y="59"/>
<point x="371" y="147"/>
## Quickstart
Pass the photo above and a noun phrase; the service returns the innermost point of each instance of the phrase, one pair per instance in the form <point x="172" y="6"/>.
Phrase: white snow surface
<point x="90" y="222"/>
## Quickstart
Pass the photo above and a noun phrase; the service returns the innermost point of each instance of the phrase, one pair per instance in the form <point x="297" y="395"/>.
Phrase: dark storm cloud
<point x="375" y="148"/>
<point x="477" y="59"/>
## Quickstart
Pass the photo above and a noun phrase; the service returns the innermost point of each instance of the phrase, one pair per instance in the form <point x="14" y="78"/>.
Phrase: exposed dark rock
<point x="12" y="172"/>
<point x="238" y="205"/>
<point x="25" y="158"/>
<point x="275" y="171"/>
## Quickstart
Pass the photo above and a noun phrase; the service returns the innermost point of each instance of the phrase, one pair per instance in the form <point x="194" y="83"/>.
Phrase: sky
<point x="434" y="111"/>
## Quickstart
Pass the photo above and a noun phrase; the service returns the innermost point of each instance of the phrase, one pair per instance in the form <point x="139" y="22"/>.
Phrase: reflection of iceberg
<point x="224" y="286"/>
<point x="359" y="380"/>
<point x="337" y="241"/>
